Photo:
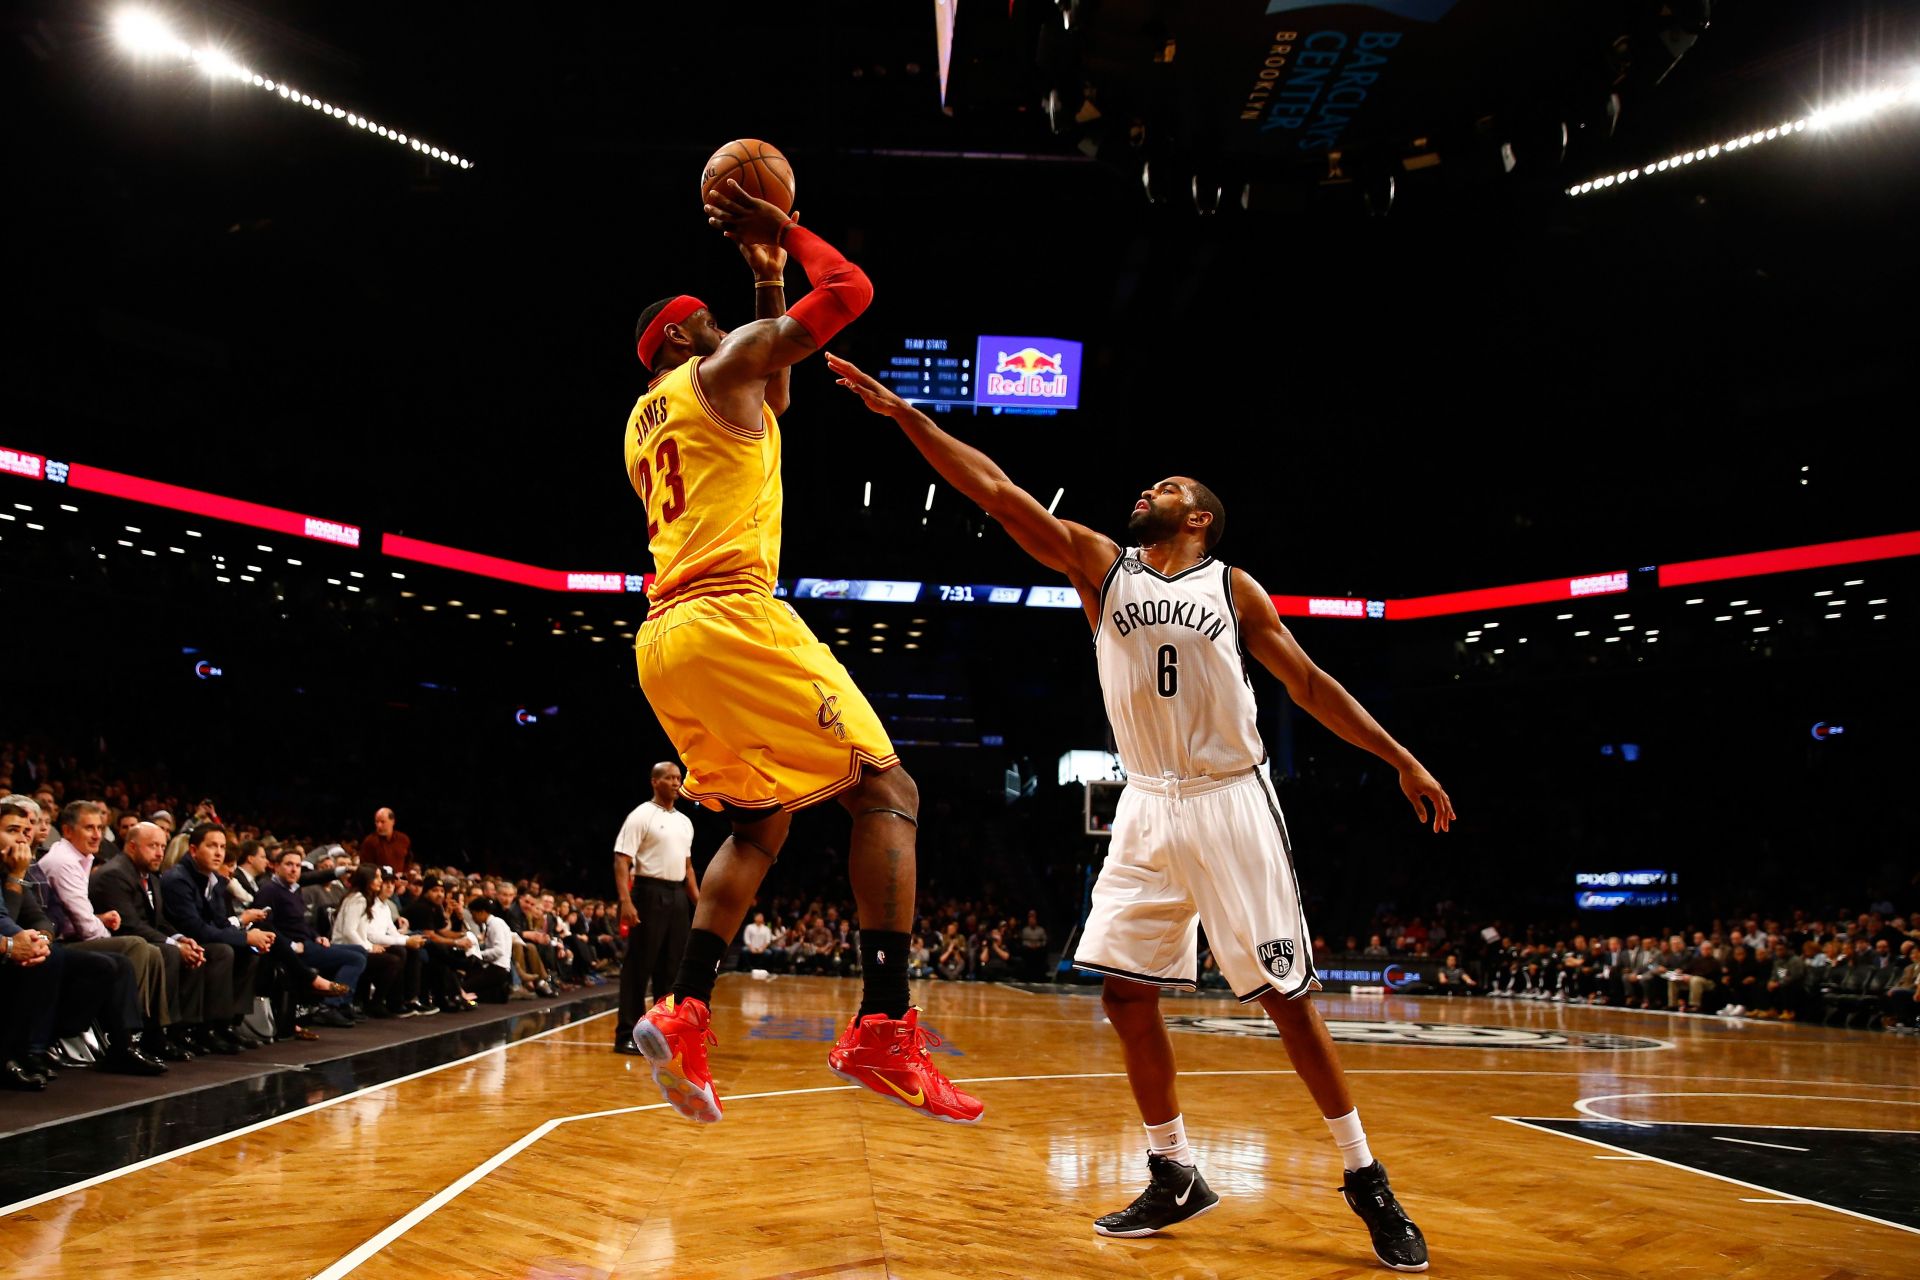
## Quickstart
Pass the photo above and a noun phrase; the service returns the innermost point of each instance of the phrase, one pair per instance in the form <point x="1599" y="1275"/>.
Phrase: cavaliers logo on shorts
<point x="1277" y="958"/>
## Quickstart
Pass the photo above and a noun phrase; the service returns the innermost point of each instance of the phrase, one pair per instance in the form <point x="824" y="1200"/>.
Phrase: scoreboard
<point x="999" y="373"/>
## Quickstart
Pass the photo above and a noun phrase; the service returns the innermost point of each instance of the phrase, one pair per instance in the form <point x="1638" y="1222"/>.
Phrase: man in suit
<point x="197" y="976"/>
<point x="1610" y="972"/>
<point x="28" y="982"/>
<point x="195" y="897"/>
<point x="253" y="867"/>
<point x="60" y="990"/>
<point x="62" y="874"/>
<point x="330" y="968"/>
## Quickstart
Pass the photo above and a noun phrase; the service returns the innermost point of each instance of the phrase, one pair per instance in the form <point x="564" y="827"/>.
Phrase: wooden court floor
<point x="550" y="1157"/>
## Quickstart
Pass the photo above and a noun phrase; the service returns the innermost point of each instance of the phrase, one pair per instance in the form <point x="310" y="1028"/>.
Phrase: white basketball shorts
<point x="1210" y="851"/>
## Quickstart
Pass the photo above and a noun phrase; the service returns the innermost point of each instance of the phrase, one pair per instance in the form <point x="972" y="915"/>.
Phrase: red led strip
<point x="178" y="498"/>
<point x="526" y="575"/>
<point x="1548" y="591"/>
<point x="1789" y="559"/>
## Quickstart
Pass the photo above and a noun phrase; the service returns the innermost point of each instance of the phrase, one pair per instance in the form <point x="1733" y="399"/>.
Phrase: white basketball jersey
<point x="1171" y="671"/>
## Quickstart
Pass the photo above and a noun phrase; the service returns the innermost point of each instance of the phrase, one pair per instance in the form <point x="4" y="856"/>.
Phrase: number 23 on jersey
<point x="665" y="461"/>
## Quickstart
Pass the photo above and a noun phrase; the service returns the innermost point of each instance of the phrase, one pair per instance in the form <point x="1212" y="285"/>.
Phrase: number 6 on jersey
<point x="1169" y="671"/>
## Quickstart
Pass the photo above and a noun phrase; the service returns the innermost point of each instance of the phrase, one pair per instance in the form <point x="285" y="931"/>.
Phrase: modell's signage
<point x="15" y="463"/>
<point x="1599" y="584"/>
<point x="345" y="535"/>
<point x="596" y="582"/>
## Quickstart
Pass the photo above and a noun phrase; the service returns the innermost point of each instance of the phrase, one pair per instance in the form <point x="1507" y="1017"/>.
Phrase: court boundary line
<point x="1584" y="1108"/>
<point x="86" y="1184"/>
<point x="379" y="1242"/>
<point x="1528" y="1123"/>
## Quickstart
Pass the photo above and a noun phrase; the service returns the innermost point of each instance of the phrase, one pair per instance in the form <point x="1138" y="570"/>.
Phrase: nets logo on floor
<point x="1432" y="1035"/>
<point x="1041" y="373"/>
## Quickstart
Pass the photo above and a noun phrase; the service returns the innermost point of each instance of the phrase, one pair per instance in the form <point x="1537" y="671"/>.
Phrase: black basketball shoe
<point x="1177" y="1192"/>
<point x="1396" y="1241"/>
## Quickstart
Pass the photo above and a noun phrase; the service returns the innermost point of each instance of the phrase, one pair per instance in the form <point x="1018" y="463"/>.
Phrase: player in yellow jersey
<point x="765" y="719"/>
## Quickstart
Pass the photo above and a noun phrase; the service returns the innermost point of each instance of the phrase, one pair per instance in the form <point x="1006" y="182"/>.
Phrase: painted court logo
<point x="1430" y="1035"/>
<point x="1277" y="957"/>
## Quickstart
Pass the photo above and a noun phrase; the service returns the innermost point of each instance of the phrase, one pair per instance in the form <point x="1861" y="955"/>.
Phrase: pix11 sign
<point x="1040" y="373"/>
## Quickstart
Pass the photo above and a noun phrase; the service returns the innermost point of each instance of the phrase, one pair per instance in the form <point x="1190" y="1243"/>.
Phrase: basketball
<point x="757" y="166"/>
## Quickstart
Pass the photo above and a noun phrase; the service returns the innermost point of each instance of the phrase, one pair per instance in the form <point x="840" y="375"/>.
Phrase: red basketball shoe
<point x="673" y="1038"/>
<point x="890" y="1058"/>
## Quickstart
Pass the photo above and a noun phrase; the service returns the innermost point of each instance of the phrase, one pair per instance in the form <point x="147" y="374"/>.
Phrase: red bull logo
<point x="1033" y="373"/>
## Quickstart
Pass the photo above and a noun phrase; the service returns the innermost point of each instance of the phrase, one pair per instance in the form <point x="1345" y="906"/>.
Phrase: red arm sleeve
<point x="841" y="291"/>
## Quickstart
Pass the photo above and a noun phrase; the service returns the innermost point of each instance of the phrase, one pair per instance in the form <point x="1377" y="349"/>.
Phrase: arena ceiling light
<point x="146" y="34"/>
<point x="1848" y="111"/>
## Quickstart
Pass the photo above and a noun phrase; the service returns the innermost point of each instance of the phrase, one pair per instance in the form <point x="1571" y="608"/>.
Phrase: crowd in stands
<point x="130" y="940"/>
<point x="1860" y="969"/>
<point x="955" y="940"/>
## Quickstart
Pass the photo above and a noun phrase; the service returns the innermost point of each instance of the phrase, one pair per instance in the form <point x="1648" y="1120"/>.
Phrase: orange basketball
<point x="757" y="166"/>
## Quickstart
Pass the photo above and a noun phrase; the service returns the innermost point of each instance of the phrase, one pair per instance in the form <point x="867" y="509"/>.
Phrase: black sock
<point x="705" y="950"/>
<point x="883" y="963"/>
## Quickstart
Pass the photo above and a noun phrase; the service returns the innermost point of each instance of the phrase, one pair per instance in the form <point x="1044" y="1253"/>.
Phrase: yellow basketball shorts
<point x="763" y="715"/>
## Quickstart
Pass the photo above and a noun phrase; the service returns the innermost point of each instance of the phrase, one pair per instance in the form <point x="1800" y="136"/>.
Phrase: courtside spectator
<point x="310" y="958"/>
<point x="952" y="958"/>
<point x="1033" y="948"/>
<point x="1454" y="980"/>
<point x="363" y="923"/>
<point x="196" y="900"/>
<point x="757" y="937"/>
<point x="494" y="973"/>
<point x="63" y="872"/>
<point x="198" y="978"/>
<point x="62" y="991"/>
<point x="448" y="950"/>
<point x="387" y="846"/>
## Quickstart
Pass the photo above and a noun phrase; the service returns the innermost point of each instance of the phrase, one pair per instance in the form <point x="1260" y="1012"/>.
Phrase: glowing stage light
<point x="1847" y="111"/>
<point x="145" y="34"/>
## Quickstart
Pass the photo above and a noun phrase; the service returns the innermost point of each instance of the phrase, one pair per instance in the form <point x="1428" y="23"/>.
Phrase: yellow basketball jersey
<point x="712" y="490"/>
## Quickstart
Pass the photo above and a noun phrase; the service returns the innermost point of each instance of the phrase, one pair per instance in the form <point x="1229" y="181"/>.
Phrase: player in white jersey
<point x="1198" y="837"/>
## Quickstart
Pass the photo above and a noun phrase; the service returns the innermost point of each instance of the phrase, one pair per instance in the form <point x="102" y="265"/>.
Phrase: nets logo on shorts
<point x="1277" y="957"/>
<point x="1436" y="1035"/>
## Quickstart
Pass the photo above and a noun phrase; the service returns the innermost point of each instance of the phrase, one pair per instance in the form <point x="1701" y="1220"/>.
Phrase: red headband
<point x="673" y="313"/>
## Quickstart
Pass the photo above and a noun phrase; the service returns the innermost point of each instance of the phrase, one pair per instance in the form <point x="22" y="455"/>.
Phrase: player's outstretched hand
<point x="878" y="398"/>
<point x="744" y="218"/>
<point x="1418" y="785"/>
